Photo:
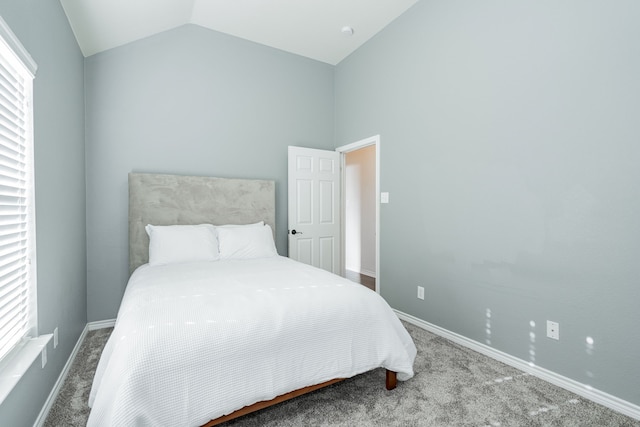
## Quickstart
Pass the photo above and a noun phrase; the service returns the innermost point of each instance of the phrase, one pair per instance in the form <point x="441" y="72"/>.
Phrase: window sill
<point x="17" y="364"/>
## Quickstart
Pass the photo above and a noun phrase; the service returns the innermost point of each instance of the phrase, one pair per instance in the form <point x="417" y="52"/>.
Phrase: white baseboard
<point x="101" y="324"/>
<point x="65" y="370"/>
<point x="42" y="416"/>
<point x="604" y="399"/>
<point x="362" y="271"/>
<point x="368" y="272"/>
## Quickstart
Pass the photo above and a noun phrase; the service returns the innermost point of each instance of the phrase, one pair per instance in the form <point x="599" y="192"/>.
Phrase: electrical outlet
<point x="553" y="330"/>
<point x="55" y="337"/>
<point x="44" y="356"/>
<point x="420" y="292"/>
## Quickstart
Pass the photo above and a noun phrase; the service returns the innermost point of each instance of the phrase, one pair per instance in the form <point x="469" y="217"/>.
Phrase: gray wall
<point x="190" y="101"/>
<point x="43" y="29"/>
<point x="510" y="147"/>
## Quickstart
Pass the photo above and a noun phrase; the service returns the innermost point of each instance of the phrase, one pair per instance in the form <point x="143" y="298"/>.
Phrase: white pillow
<point x="246" y="242"/>
<point x="170" y="244"/>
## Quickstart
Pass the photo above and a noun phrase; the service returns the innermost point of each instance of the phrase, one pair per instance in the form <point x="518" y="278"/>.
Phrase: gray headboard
<point x="175" y="199"/>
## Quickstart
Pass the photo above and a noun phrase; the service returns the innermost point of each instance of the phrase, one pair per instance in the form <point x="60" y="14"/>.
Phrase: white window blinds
<point x="17" y="225"/>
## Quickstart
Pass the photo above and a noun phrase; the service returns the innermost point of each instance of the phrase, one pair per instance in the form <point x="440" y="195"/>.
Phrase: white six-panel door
<point x="314" y="207"/>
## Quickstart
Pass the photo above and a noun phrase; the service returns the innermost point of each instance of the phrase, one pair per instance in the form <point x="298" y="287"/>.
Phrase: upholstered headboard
<point x="175" y="199"/>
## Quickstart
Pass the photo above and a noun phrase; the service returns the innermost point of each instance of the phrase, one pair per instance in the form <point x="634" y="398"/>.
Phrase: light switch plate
<point x="384" y="197"/>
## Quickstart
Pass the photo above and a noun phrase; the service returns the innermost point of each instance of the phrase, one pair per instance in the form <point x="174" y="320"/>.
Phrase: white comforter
<point x="193" y="342"/>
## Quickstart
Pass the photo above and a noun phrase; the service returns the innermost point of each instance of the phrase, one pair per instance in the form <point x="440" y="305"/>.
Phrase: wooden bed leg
<point x="392" y="381"/>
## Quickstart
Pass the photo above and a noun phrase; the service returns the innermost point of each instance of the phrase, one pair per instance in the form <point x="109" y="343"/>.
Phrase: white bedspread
<point x="193" y="342"/>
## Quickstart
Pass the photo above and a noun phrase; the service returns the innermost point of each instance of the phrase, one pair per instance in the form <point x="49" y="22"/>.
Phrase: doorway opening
<point x="360" y="211"/>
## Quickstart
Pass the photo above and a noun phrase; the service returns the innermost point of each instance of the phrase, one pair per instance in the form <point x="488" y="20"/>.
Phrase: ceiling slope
<point x="310" y="28"/>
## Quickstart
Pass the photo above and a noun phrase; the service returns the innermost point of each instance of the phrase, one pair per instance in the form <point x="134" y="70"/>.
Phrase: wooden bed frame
<point x="391" y="382"/>
<point x="174" y="199"/>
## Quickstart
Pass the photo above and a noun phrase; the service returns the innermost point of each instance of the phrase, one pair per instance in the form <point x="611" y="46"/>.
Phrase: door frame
<point x="343" y="150"/>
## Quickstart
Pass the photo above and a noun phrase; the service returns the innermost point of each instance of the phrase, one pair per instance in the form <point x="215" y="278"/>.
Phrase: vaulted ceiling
<point x="311" y="28"/>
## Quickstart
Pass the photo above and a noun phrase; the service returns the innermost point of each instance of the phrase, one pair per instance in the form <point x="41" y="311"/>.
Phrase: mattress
<point x="196" y="341"/>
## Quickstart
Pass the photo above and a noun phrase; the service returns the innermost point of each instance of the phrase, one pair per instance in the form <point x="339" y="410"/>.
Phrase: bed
<point x="222" y="326"/>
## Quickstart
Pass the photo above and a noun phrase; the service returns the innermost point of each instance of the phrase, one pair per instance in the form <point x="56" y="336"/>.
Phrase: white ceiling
<point x="310" y="28"/>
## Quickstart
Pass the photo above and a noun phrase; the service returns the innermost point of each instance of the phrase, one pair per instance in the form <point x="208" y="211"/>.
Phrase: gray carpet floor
<point x="453" y="386"/>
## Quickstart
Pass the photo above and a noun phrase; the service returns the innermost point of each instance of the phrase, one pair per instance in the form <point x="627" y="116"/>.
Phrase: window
<point x="17" y="224"/>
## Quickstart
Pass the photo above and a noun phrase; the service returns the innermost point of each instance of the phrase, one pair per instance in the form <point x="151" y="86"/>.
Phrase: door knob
<point x="295" y="232"/>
